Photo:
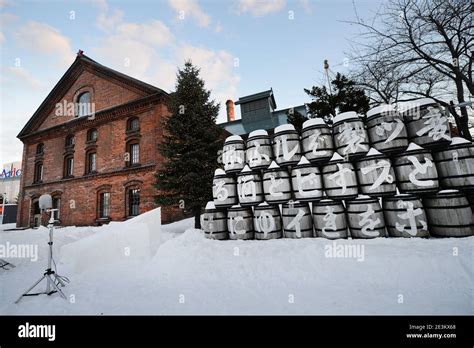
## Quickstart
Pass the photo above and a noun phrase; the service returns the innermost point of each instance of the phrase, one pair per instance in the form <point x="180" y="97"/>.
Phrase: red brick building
<point x="92" y="145"/>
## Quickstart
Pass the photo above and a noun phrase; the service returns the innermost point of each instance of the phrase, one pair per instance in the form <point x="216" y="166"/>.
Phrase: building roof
<point x="257" y="96"/>
<point x="79" y="64"/>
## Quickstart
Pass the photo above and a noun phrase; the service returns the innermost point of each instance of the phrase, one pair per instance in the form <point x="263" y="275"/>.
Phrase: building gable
<point x="108" y="88"/>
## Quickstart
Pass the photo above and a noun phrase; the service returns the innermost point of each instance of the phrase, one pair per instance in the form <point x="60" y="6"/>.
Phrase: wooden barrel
<point x="306" y="181"/>
<point x="416" y="171"/>
<point x="365" y="217"/>
<point x="329" y="219"/>
<point x="297" y="220"/>
<point x="426" y="122"/>
<point x="387" y="132"/>
<point x="449" y="214"/>
<point x="240" y="222"/>
<point x="276" y="184"/>
<point x="375" y="175"/>
<point x="233" y="154"/>
<point x="350" y="137"/>
<point x="286" y="145"/>
<point x="316" y="141"/>
<point x="267" y="221"/>
<point x="339" y="178"/>
<point x="214" y="222"/>
<point x="249" y="187"/>
<point x="455" y="165"/>
<point x="224" y="190"/>
<point x="404" y="216"/>
<point x="259" y="153"/>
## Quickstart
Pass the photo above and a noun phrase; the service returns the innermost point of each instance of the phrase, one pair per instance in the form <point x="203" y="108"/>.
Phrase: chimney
<point x="230" y="110"/>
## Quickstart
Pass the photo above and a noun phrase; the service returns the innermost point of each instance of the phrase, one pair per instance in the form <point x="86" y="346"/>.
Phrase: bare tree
<point x="419" y="48"/>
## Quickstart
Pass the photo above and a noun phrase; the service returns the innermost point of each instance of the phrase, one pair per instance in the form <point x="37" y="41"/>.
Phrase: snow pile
<point x="134" y="240"/>
<point x="190" y="274"/>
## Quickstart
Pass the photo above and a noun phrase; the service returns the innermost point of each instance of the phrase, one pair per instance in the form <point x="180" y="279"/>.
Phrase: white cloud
<point x="217" y="70"/>
<point x="306" y="5"/>
<point x="45" y="39"/>
<point x="107" y="22"/>
<point x="154" y="33"/>
<point x="218" y="27"/>
<point x="21" y="76"/>
<point x="259" y="8"/>
<point x="190" y="9"/>
<point x="149" y="52"/>
<point x="2" y="38"/>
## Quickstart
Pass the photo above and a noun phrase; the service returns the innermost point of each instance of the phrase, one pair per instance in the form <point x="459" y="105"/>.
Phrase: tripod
<point x="49" y="275"/>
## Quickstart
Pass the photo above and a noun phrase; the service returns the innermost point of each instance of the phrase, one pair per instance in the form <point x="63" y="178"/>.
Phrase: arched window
<point x="91" y="162"/>
<point x="68" y="166"/>
<point x="133" y="151"/>
<point x="133" y="124"/>
<point x="38" y="172"/>
<point x="40" y="149"/>
<point x="83" y="104"/>
<point x="69" y="140"/>
<point x="92" y="135"/>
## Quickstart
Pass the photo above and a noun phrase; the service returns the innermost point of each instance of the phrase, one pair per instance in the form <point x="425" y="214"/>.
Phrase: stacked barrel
<point x="394" y="172"/>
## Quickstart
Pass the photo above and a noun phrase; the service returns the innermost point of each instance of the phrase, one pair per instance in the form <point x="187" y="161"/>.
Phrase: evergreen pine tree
<point x="345" y="96"/>
<point x="190" y="145"/>
<point x="295" y="118"/>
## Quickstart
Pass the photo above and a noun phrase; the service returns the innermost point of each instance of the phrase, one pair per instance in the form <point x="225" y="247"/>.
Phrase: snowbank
<point x="120" y="242"/>
<point x="190" y="274"/>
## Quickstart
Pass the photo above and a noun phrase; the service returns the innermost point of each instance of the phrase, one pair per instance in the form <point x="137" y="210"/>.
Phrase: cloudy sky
<point x="242" y="47"/>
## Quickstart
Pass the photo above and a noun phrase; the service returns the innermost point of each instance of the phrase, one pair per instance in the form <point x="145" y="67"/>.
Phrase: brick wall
<point x="79" y="194"/>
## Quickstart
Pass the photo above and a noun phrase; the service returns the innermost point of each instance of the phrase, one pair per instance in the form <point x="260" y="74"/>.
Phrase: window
<point x="56" y="205"/>
<point x="134" y="153"/>
<point x="40" y="149"/>
<point x="92" y="135"/>
<point x="38" y="172"/>
<point x="133" y="124"/>
<point x="91" y="162"/>
<point x="104" y="205"/>
<point x="133" y="202"/>
<point x="69" y="140"/>
<point x="83" y="104"/>
<point x="68" y="166"/>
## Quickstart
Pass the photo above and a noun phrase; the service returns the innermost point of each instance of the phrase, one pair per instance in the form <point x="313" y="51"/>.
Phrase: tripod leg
<point x="53" y="284"/>
<point x="31" y="288"/>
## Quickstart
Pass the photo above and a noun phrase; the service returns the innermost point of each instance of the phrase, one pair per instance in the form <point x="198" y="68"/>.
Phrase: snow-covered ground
<point x="140" y="267"/>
